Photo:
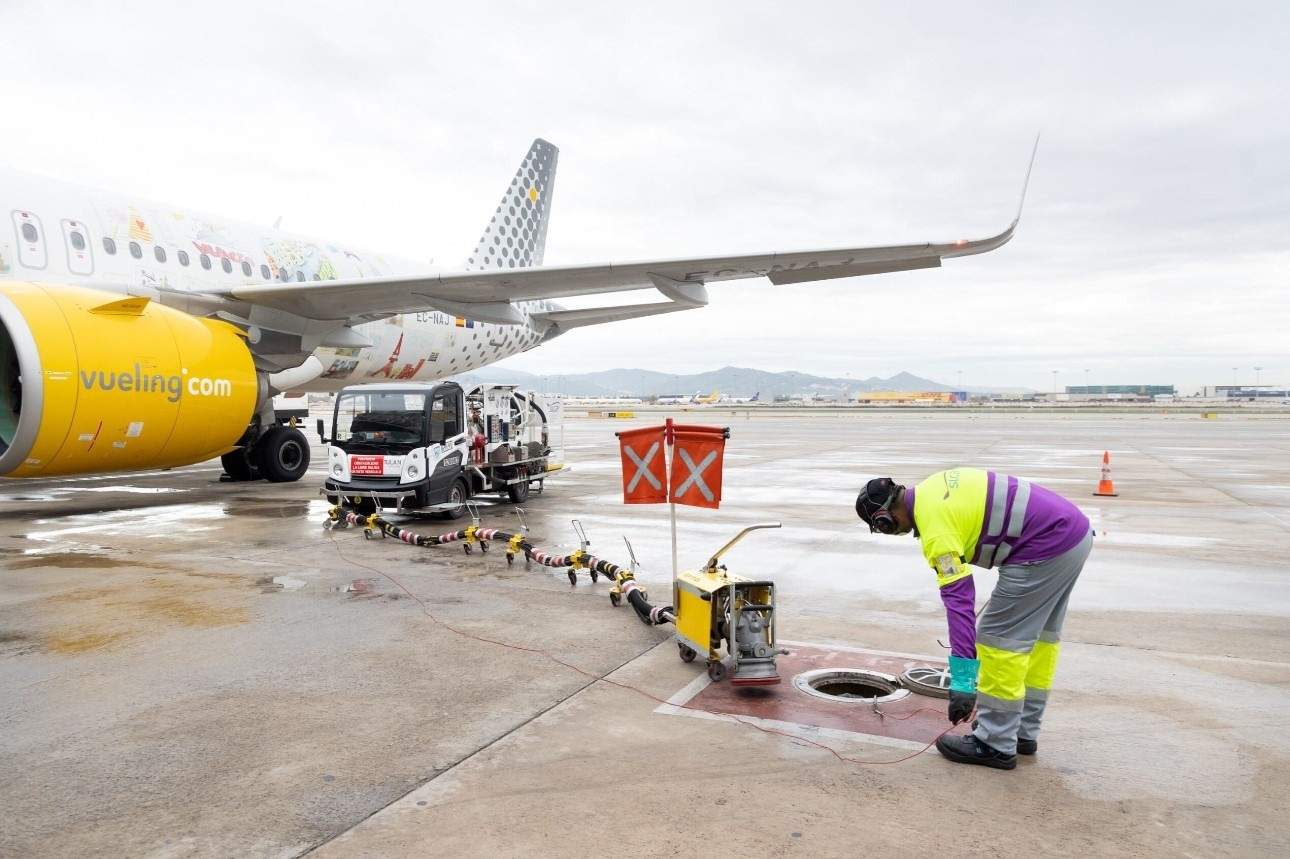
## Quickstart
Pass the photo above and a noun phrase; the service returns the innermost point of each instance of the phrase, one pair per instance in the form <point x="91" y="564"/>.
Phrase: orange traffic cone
<point x="1105" y="486"/>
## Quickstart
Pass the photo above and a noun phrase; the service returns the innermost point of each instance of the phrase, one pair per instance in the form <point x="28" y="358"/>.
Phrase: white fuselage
<point x="61" y="233"/>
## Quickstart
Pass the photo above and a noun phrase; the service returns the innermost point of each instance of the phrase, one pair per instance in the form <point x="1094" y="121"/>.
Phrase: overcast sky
<point x="1154" y="246"/>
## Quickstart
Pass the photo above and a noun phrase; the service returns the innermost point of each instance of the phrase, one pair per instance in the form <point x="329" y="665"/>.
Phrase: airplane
<point x="710" y="399"/>
<point x="137" y="335"/>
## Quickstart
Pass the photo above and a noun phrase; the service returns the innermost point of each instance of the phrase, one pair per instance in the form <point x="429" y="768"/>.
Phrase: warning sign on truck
<point x="367" y="466"/>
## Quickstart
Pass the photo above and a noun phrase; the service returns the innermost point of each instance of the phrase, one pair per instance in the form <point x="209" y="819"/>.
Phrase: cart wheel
<point x="573" y="577"/>
<point x="465" y="547"/>
<point x="483" y="546"/>
<point x="687" y="653"/>
<point x="717" y="671"/>
<point x="615" y="600"/>
<point x="595" y="576"/>
<point x="510" y="560"/>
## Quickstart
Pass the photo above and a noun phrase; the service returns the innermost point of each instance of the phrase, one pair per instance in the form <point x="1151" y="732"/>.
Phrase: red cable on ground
<point x="604" y="679"/>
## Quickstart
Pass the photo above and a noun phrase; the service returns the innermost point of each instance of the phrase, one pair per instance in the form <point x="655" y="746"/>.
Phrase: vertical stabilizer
<point x="516" y="233"/>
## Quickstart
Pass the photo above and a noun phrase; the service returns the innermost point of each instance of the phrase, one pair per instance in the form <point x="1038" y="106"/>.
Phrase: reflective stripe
<point x="1002" y="555"/>
<point x="1033" y="694"/>
<point x="986" y="558"/>
<point x="998" y="501"/>
<point x="1043" y="665"/>
<point x="1018" y="516"/>
<point x="1003" y="673"/>
<point x="999" y="642"/>
<point x="986" y="702"/>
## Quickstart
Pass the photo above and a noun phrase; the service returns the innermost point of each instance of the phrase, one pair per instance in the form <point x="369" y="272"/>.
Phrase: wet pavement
<point x="189" y="667"/>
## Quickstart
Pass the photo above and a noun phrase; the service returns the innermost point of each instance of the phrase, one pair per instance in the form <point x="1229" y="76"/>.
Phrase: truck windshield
<point x="380" y="418"/>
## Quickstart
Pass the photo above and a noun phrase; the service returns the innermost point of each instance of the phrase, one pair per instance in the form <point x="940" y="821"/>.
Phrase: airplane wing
<point x="490" y="296"/>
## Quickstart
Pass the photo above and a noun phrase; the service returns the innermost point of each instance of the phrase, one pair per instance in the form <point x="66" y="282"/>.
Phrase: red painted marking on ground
<point x="786" y="703"/>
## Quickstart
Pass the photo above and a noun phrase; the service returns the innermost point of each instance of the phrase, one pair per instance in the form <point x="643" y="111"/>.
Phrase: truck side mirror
<point x="321" y="435"/>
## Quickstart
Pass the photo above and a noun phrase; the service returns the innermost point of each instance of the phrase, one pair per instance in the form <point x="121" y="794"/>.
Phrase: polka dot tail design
<point x="516" y="233"/>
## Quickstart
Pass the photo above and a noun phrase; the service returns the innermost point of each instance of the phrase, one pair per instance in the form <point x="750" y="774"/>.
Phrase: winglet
<point x="1026" y="184"/>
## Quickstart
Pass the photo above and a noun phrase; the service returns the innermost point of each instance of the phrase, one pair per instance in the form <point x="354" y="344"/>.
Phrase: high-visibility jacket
<point x="986" y="519"/>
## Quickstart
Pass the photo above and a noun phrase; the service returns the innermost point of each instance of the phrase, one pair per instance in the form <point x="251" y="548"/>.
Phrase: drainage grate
<point x="850" y="685"/>
<point x="926" y="680"/>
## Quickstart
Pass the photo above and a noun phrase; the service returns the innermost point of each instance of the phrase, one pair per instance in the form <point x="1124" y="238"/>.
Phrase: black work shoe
<point x="970" y="750"/>
<point x="1027" y="747"/>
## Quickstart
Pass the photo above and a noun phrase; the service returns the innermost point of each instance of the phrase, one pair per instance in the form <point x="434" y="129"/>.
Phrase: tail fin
<point x="516" y="233"/>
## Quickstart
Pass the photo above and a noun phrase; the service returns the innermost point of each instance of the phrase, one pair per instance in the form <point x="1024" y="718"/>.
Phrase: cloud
<point x="1153" y="242"/>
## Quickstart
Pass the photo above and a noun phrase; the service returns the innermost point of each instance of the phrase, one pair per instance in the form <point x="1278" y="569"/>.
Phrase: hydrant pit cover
<point x="850" y="685"/>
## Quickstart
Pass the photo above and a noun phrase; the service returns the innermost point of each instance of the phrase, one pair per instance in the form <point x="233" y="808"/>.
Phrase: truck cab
<point x="431" y="446"/>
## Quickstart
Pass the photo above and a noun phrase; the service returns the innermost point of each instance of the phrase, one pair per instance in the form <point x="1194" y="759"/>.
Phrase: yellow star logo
<point x="533" y="194"/>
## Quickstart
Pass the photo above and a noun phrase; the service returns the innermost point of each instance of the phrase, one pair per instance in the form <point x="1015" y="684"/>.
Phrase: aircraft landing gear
<point x="280" y="455"/>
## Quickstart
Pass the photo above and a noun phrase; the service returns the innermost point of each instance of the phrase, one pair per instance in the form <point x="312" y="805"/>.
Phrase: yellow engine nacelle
<point x="94" y="381"/>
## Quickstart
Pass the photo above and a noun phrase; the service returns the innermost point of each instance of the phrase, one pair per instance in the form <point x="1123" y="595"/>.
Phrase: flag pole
<point x="670" y="438"/>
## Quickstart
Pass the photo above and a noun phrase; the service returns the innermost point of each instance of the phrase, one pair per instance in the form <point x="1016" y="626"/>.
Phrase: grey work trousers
<point x="1017" y="638"/>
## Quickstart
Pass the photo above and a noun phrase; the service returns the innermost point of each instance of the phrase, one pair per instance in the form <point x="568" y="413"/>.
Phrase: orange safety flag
<point x="644" y="466"/>
<point x="696" y="465"/>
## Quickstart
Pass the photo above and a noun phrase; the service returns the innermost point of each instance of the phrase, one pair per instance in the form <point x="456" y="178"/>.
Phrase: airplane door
<point x="31" y="239"/>
<point x="80" y="256"/>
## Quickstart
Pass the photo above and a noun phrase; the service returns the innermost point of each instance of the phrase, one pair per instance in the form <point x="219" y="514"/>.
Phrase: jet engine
<point x="92" y="381"/>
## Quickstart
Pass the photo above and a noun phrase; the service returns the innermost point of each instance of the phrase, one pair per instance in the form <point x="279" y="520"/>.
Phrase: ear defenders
<point x="878" y="514"/>
<point x="881" y="519"/>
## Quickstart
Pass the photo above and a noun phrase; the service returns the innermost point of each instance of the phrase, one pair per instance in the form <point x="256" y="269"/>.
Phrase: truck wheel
<point x="283" y="454"/>
<point x="457" y="495"/>
<point x="237" y="465"/>
<point x="519" y="492"/>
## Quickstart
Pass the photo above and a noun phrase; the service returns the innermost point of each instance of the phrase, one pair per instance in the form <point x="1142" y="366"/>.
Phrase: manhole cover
<point x="850" y="685"/>
<point x="926" y="680"/>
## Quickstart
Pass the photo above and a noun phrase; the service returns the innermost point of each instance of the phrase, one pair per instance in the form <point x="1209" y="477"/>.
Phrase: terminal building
<point x="1120" y="392"/>
<point x="1246" y="392"/>
<point x="910" y="398"/>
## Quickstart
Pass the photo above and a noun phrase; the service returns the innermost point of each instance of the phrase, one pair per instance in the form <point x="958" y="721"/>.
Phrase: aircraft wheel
<point x="237" y="465"/>
<point x="283" y="454"/>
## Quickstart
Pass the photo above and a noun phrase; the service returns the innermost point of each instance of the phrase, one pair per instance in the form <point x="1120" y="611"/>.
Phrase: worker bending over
<point x="1039" y="541"/>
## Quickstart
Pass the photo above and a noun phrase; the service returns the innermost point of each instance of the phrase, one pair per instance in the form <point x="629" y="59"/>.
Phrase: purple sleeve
<point x="960" y="610"/>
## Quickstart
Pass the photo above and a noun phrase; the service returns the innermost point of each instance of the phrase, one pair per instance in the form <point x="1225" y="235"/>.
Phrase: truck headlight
<point x="336" y="468"/>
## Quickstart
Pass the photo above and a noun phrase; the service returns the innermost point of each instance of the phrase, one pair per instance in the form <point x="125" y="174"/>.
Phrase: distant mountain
<point x="731" y="381"/>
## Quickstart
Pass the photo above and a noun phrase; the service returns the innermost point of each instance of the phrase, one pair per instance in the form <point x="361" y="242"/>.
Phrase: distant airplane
<point x="140" y="335"/>
<point x="710" y="399"/>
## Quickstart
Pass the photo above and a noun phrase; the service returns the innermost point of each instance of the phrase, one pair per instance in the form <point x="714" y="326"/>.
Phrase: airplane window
<point x="183" y="257"/>
<point x="246" y="268"/>
<point x="109" y="244"/>
<point x="264" y="271"/>
<point x="300" y="276"/>
<point x="77" y="240"/>
<point x="283" y="275"/>
<point x="226" y="265"/>
<point x="160" y="253"/>
<point x="29" y="233"/>
<point x="206" y="261"/>
<point x="316" y="277"/>
<point x="135" y="250"/>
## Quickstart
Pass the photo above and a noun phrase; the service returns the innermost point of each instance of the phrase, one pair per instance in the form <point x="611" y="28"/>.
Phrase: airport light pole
<point x="1054" y="384"/>
<point x="1234" y="369"/>
<point x="1087" y="392"/>
<point x="1257" y="371"/>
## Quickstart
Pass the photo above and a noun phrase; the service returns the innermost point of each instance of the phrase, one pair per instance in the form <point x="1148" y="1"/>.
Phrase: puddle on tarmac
<point x="360" y="589"/>
<point x="82" y="642"/>
<point x="274" y="584"/>
<point x="35" y="560"/>
<point x="274" y="509"/>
